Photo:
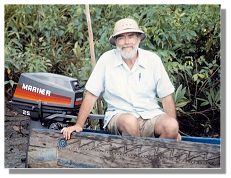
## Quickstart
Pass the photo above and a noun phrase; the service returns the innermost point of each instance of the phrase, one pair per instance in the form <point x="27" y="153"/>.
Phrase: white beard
<point x="128" y="55"/>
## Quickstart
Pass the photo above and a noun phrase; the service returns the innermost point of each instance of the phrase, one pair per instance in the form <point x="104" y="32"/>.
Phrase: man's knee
<point x="172" y="128"/>
<point x="167" y="127"/>
<point x="128" y="124"/>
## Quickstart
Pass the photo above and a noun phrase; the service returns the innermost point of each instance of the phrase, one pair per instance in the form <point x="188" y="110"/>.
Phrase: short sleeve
<point x="164" y="85"/>
<point x="95" y="83"/>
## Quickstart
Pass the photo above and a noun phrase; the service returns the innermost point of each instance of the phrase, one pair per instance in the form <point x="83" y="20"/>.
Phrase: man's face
<point x="127" y="44"/>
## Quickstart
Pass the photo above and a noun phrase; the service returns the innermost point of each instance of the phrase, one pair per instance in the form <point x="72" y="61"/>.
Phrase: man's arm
<point x="169" y="106"/>
<point x="170" y="109"/>
<point x="85" y="109"/>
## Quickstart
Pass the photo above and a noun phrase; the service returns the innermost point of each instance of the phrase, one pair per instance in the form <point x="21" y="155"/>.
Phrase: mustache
<point x="123" y="47"/>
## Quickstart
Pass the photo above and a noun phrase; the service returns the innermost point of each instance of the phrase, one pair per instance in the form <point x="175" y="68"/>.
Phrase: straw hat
<point x="124" y="26"/>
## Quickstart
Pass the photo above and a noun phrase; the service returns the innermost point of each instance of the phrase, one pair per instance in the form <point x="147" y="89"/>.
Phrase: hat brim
<point x="112" y="38"/>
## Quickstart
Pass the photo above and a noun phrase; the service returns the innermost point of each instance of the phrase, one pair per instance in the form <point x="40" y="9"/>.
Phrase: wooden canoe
<point x="48" y="149"/>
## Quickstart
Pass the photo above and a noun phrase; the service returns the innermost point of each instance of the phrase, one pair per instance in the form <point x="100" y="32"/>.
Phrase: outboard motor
<point x="50" y="98"/>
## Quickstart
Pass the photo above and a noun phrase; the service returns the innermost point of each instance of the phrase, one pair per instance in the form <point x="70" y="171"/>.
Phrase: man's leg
<point x="124" y="123"/>
<point x="166" y="127"/>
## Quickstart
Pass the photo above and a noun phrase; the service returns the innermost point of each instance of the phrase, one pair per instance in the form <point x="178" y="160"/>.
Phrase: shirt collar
<point x="118" y="59"/>
<point x="141" y="59"/>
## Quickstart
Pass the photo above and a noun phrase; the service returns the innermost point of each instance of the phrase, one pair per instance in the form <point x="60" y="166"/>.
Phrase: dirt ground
<point x="16" y="138"/>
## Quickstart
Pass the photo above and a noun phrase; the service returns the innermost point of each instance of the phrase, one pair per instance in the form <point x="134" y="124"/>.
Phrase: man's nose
<point x="127" y="40"/>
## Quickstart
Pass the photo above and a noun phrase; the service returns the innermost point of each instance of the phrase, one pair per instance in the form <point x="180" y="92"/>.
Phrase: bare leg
<point x="166" y="127"/>
<point x="128" y="125"/>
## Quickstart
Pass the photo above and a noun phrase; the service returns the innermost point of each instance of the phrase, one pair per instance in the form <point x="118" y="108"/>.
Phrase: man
<point x="130" y="80"/>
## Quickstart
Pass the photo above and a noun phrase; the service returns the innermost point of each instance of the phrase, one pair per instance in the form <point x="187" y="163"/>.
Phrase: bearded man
<point x="132" y="81"/>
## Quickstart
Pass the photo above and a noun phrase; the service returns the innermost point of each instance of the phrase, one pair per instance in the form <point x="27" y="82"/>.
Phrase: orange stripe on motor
<point x="55" y="99"/>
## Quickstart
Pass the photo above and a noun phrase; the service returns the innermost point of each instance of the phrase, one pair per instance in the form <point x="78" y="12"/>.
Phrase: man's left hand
<point x="178" y="138"/>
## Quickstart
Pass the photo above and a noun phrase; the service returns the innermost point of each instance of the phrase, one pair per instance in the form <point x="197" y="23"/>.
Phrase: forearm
<point x="85" y="109"/>
<point x="169" y="106"/>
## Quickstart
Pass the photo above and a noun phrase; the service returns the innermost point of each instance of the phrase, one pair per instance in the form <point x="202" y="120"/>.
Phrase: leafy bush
<point x="54" y="38"/>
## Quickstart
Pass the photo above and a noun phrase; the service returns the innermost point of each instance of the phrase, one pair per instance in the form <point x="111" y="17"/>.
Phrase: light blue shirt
<point x="134" y="91"/>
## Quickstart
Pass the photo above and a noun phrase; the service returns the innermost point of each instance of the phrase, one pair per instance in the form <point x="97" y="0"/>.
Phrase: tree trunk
<point x="93" y="61"/>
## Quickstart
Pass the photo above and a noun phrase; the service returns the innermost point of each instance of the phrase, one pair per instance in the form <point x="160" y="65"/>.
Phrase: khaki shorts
<point x="146" y="126"/>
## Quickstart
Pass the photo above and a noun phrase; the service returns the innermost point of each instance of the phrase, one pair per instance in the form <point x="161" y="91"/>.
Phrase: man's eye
<point x="120" y="38"/>
<point x="132" y="36"/>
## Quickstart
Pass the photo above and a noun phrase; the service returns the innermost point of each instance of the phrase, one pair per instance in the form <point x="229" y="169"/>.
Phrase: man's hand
<point x="68" y="130"/>
<point x="178" y="137"/>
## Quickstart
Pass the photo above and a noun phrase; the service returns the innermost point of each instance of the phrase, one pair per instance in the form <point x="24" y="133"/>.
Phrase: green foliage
<point x="54" y="38"/>
<point x="180" y="99"/>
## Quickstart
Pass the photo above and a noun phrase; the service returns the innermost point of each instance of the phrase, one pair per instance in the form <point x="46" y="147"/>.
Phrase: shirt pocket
<point x="144" y="84"/>
<point x="114" y="84"/>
